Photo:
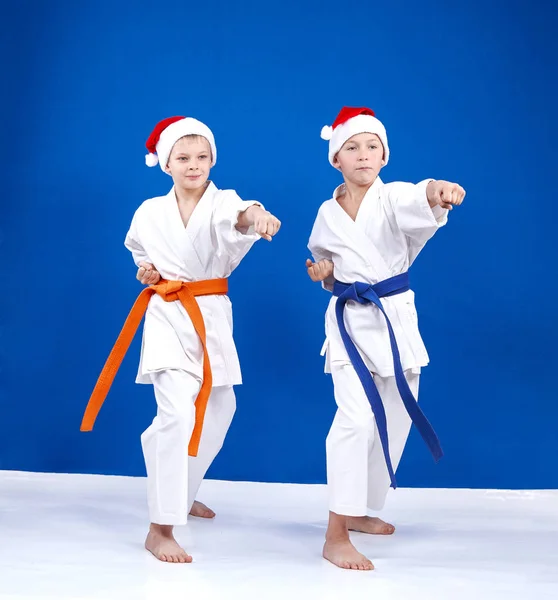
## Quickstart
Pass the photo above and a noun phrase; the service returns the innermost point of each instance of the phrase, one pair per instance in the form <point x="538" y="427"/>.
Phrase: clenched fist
<point x="265" y="224"/>
<point x="320" y="270"/>
<point x="147" y="274"/>
<point x="445" y="194"/>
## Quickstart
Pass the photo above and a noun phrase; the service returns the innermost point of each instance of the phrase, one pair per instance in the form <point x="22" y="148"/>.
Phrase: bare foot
<point x="201" y="510"/>
<point x="370" y="525"/>
<point x="343" y="554"/>
<point x="161" y="543"/>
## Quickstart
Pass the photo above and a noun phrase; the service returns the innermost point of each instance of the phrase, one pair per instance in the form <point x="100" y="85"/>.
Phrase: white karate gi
<point x="209" y="247"/>
<point x="392" y="226"/>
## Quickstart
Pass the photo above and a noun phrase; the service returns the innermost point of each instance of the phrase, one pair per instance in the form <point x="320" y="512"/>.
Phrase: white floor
<point x="80" y="537"/>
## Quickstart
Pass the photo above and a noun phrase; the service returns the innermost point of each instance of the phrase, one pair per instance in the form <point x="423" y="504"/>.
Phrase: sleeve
<point x="317" y="248"/>
<point x="230" y="240"/>
<point x="413" y="214"/>
<point x="134" y="245"/>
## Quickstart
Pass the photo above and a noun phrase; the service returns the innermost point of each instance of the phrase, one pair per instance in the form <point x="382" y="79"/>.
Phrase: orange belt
<point x="169" y="291"/>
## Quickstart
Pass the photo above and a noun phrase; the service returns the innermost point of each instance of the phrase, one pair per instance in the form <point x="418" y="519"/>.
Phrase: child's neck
<point x="354" y="193"/>
<point x="184" y="196"/>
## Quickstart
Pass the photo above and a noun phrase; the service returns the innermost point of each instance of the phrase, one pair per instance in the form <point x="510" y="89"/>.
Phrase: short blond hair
<point x="193" y="137"/>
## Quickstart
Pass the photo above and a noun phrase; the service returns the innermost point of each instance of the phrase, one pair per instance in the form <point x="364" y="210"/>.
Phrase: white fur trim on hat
<point x="179" y="129"/>
<point x="354" y="126"/>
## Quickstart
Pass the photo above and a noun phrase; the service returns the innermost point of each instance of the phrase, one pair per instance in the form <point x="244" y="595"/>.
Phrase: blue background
<point x="468" y="93"/>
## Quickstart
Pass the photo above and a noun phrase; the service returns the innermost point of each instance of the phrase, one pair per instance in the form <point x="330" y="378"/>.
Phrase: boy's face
<point x="190" y="162"/>
<point x="360" y="158"/>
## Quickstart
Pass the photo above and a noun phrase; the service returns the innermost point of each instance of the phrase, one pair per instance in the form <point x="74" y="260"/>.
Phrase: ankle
<point x="337" y="534"/>
<point x="337" y="538"/>
<point x="165" y="530"/>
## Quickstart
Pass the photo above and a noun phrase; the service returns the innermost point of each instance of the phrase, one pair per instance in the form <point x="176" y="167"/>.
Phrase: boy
<point x="186" y="244"/>
<point x="363" y="242"/>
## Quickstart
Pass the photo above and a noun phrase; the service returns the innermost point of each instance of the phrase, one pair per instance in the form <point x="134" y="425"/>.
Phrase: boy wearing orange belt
<point x="186" y="244"/>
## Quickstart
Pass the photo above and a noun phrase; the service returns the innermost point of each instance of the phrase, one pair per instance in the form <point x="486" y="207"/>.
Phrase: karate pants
<point x="174" y="478"/>
<point x="357" y="476"/>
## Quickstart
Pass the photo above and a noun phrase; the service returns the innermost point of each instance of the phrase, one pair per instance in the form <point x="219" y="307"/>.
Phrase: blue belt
<point x="365" y="293"/>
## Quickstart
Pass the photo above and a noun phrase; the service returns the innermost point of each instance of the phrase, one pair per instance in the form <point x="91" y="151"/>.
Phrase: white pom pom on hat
<point x="151" y="160"/>
<point x="326" y="132"/>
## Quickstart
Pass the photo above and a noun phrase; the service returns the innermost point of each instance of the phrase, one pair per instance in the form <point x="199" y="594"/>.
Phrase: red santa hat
<point x="352" y="121"/>
<point x="167" y="132"/>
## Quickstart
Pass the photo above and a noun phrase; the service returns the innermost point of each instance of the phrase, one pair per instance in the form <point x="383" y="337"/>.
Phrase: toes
<point x="388" y="529"/>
